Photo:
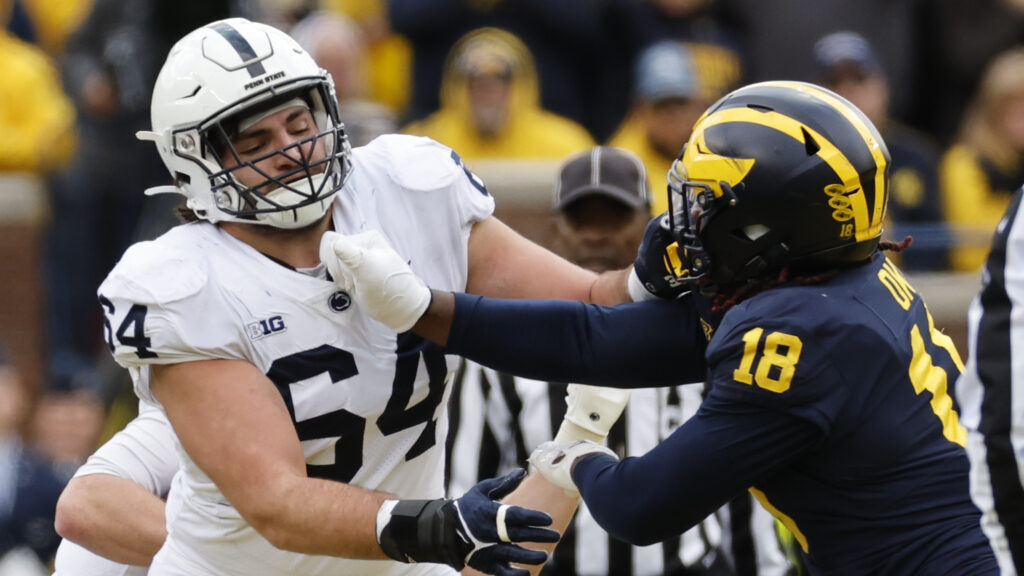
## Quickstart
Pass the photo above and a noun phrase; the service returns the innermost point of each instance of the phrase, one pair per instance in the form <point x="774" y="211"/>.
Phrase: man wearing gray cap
<point x="601" y="208"/>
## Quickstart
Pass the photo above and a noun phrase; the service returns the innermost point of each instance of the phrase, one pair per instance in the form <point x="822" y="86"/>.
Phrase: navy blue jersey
<point x="830" y="402"/>
<point x="882" y="486"/>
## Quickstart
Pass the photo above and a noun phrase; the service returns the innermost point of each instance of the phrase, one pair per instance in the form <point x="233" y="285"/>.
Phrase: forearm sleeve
<point x="630" y="345"/>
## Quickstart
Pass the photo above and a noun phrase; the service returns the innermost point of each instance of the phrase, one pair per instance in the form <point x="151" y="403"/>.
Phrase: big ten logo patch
<point x="266" y="327"/>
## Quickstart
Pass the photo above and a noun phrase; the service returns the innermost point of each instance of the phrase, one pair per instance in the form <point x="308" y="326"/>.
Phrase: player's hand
<point x="489" y="529"/>
<point x="591" y="411"/>
<point x="654" y="275"/>
<point x="555" y="461"/>
<point x="473" y="530"/>
<point x="379" y="280"/>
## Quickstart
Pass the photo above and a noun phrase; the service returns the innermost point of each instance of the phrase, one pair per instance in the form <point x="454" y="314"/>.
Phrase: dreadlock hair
<point x="726" y="299"/>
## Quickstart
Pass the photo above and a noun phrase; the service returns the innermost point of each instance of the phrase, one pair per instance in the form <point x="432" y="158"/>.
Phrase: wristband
<point x="636" y="288"/>
<point x="414" y="531"/>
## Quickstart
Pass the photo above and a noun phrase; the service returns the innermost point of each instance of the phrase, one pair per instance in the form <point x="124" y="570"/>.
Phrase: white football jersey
<point x="368" y="405"/>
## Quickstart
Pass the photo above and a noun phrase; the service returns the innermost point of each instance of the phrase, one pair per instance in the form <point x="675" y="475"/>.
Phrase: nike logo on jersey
<point x="262" y="328"/>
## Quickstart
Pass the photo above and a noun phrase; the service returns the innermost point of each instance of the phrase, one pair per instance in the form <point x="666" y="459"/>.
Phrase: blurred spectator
<point x="958" y="39"/>
<point x="55" y="21"/>
<point x="562" y="35"/>
<point x="36" y="117"/>
<point x="490" y="107"/>
<point x="779" y="35"/>
<point x="66" y="427"/>
<point x="110" y="65"/>
<point x="338" y="45"/>
<point x="848" y="65"/>
<point x="389" y="54"/>
<point x="17" y="21"/>
<point x="667" y="101"/>
<point x="980" y="172"/>
<point x="282" y="14"/>
<point x="29" y="488"/>
<point x="634" y="25"/>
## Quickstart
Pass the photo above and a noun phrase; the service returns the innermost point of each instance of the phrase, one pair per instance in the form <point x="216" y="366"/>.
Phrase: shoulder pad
<point x="153" y="273"/>
<point x="414" y="162"/>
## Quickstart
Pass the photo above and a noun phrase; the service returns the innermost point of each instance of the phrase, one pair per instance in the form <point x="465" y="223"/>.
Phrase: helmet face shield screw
<point x="186" y="143"/>
<point x="223" y="201"/>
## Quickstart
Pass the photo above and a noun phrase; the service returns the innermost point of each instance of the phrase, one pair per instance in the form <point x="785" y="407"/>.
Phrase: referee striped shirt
<point x="991" y="392"/>
<point x="498" y="419"/>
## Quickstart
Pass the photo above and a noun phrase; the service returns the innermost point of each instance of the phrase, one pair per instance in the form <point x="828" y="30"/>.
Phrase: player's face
<point x="277" y="145"/>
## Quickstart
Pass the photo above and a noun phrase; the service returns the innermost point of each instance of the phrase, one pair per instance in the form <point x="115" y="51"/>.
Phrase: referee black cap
<point x="603" y="170"/>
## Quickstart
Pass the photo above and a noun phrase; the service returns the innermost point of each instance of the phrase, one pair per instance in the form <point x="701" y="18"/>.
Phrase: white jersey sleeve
<point x="74" y="560"/>
<point x="138" y="297"/>
<point x="143" y="452"/>
<point x="160" y="306"/>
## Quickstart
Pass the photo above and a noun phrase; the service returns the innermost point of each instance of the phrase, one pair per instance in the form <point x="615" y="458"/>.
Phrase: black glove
<point x="474" y="529"/>
<point x="653" y="274"/>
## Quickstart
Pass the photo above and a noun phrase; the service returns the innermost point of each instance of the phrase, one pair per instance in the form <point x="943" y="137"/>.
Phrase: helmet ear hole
<point x="754" y="231"/>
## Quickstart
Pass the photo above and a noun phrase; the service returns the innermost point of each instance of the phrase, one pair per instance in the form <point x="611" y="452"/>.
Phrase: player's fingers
<point x="523" y="524"/>
<point x="504" y="485"/>
<point x="506" y="553"/>
<point x="335" y="246"/>
<point x="497" y="488"/>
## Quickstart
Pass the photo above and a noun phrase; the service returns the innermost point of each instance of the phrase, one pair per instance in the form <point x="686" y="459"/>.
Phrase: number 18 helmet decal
<point x="777" y="174"/>
<point x="213" y="79"/>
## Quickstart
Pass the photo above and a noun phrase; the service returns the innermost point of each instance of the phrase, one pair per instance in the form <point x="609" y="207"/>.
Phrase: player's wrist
<point x="555" y="461"/>
<point x="637" y="291"/>
<point x="593" y="410"/>
<point x="571" y="432"/>
<point x="417" y="531"/>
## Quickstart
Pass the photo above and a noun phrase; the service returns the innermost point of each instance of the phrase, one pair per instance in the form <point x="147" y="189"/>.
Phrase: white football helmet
<point x="220" y="74"/>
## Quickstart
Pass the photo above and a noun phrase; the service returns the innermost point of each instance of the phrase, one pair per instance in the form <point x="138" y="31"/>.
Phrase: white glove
<point x="555" y="460"/>
<point x="379" y="280"/>
<point x="591" y="412"/>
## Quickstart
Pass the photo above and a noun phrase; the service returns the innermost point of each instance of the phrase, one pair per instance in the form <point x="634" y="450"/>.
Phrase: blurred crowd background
<point x="514" y="86"/>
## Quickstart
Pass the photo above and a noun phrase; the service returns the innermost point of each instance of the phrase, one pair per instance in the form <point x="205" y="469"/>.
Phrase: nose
<point x="289" y="156"/>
